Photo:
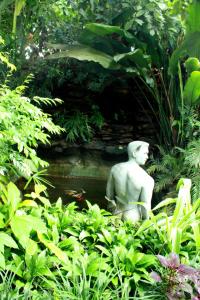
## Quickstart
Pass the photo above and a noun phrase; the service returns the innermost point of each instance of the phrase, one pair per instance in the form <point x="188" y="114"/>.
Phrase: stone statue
<point x="128" y="183"/>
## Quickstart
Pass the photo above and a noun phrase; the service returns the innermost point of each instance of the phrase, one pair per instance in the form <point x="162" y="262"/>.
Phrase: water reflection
<point x="80" y="171"/>
<point x="92" y="189"/>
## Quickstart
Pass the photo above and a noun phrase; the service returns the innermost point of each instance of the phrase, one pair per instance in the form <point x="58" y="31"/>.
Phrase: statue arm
<point x="146" y="195"/>
<point x="110" y="192"/>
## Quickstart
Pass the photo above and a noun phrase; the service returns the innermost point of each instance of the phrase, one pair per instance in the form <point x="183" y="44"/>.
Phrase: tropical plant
<point x="79" y="125"/>
<point x="177" y="280"/>
<point x="57" y="250"/>
<point x="178" y="162"/>
<point x="128" y="54"/>
<point x="22" y="126"/>
<point x="178" y="231"/>
<point x="42" y="244"/>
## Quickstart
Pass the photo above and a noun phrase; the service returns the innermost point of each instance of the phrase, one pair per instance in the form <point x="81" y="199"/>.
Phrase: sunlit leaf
<point x="192" y="89"/>
<point x="82" y="52"/>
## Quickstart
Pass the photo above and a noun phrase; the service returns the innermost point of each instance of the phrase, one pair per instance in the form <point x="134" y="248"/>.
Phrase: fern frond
<point x="192" y="154"/>
<point x="47" y="101"/>
<point x="163" y="182"/>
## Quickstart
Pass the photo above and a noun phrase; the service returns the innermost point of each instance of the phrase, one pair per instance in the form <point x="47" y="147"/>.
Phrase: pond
<point x="80" y="175"/>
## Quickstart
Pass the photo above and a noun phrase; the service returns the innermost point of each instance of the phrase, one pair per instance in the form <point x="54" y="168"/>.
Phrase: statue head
<point x="138" y="151"/>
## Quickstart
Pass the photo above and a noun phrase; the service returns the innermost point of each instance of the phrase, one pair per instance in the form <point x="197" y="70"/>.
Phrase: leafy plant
<point x="178" y="281"/>
<point x="22" y="126"/>
<point x="79" y="125"/>
<point x="179" y="162"/>
<point x="128" y="56"/>
<point x="179" y="230"/>
<point x="67" y="252"/>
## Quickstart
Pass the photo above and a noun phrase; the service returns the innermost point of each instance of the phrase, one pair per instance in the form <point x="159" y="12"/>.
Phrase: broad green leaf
<point x="59" y="203"/>
<point x="176" y="235"/>
<point x="14" y="197"/>
<point x="103" y="250"/>
<point x="82" y="52"/>
<point x="39" y="188"/>
<point x="165" y="203"/>
<point x="7" y="240"/>
<point x="22" y="226"/>
<point x="2" y="261"/>
<point x="32" y="247"/>
<point x="144" y="226"/>
<point x="189" y="47"/>
<point x="45" y="201"/>
<point x="18" y="7"/>
<point x="2" y="223"/>
<point x="196" y="230"/>
<point x="107" y="235"/>
<point x="192" y="64"/>
<point x="136" y="277"/>
<point x="146" y="260"/>
<point x="54" y="249"/>
<point x="28" y="203"/>
<point x="137" y="257"/>
<point x="83" y="235"/>
<point x="71" y="231"/>
<point x="102" y="29"/>
<point x="55" y="234"/>
<point x="193" y="20"/>
<point x="137" y="57"/>
<point x="191" y="91"/>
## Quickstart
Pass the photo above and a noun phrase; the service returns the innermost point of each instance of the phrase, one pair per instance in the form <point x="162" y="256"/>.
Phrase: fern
<point x="79" y="125"/>
<point x="176" y="164"/>
<point x="168" y="169"/>
<point x="192" y="154"/>
<point x="46" y="101"/>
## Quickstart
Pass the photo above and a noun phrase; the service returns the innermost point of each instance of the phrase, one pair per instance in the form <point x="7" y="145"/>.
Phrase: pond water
<point x="78" y="189"/>
<point x="79" y="176"/>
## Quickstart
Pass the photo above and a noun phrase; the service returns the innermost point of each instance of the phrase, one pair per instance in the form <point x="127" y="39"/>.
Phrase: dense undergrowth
<point x="52" y="251"/>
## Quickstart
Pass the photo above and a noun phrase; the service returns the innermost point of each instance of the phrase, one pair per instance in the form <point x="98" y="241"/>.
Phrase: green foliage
<point x="192" y="89"/>
<point x="79" y="125"/>
<point x="47" y="236"/>
<point x="126" y="50"/>
<point x="180" y="162"/>
<point x="167" y="169"/>
<point x="190" y="44"/>
<point x="22" y="126"/>
<point x="58" y="250"/>
<point x="82" y="52"/>
<point x="133" y="61"/>
<point x="179" y="231"/>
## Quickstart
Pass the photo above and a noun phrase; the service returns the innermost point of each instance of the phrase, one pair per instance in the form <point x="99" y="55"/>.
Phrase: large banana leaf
<point x="137" y="57"/>
<point x="103" y="29"/>
<point x="191" y="43"/>
<point x="19" y="4"/>
<point x="106" y="44"/>
<point x="192" y="89"/>
<point x="190" y="47"/>
<point x="82" y="52"/>
<point x="193" y="19"/>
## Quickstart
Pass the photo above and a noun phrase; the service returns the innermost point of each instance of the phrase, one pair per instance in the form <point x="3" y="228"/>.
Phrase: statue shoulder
<point x="119" y="167"/>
